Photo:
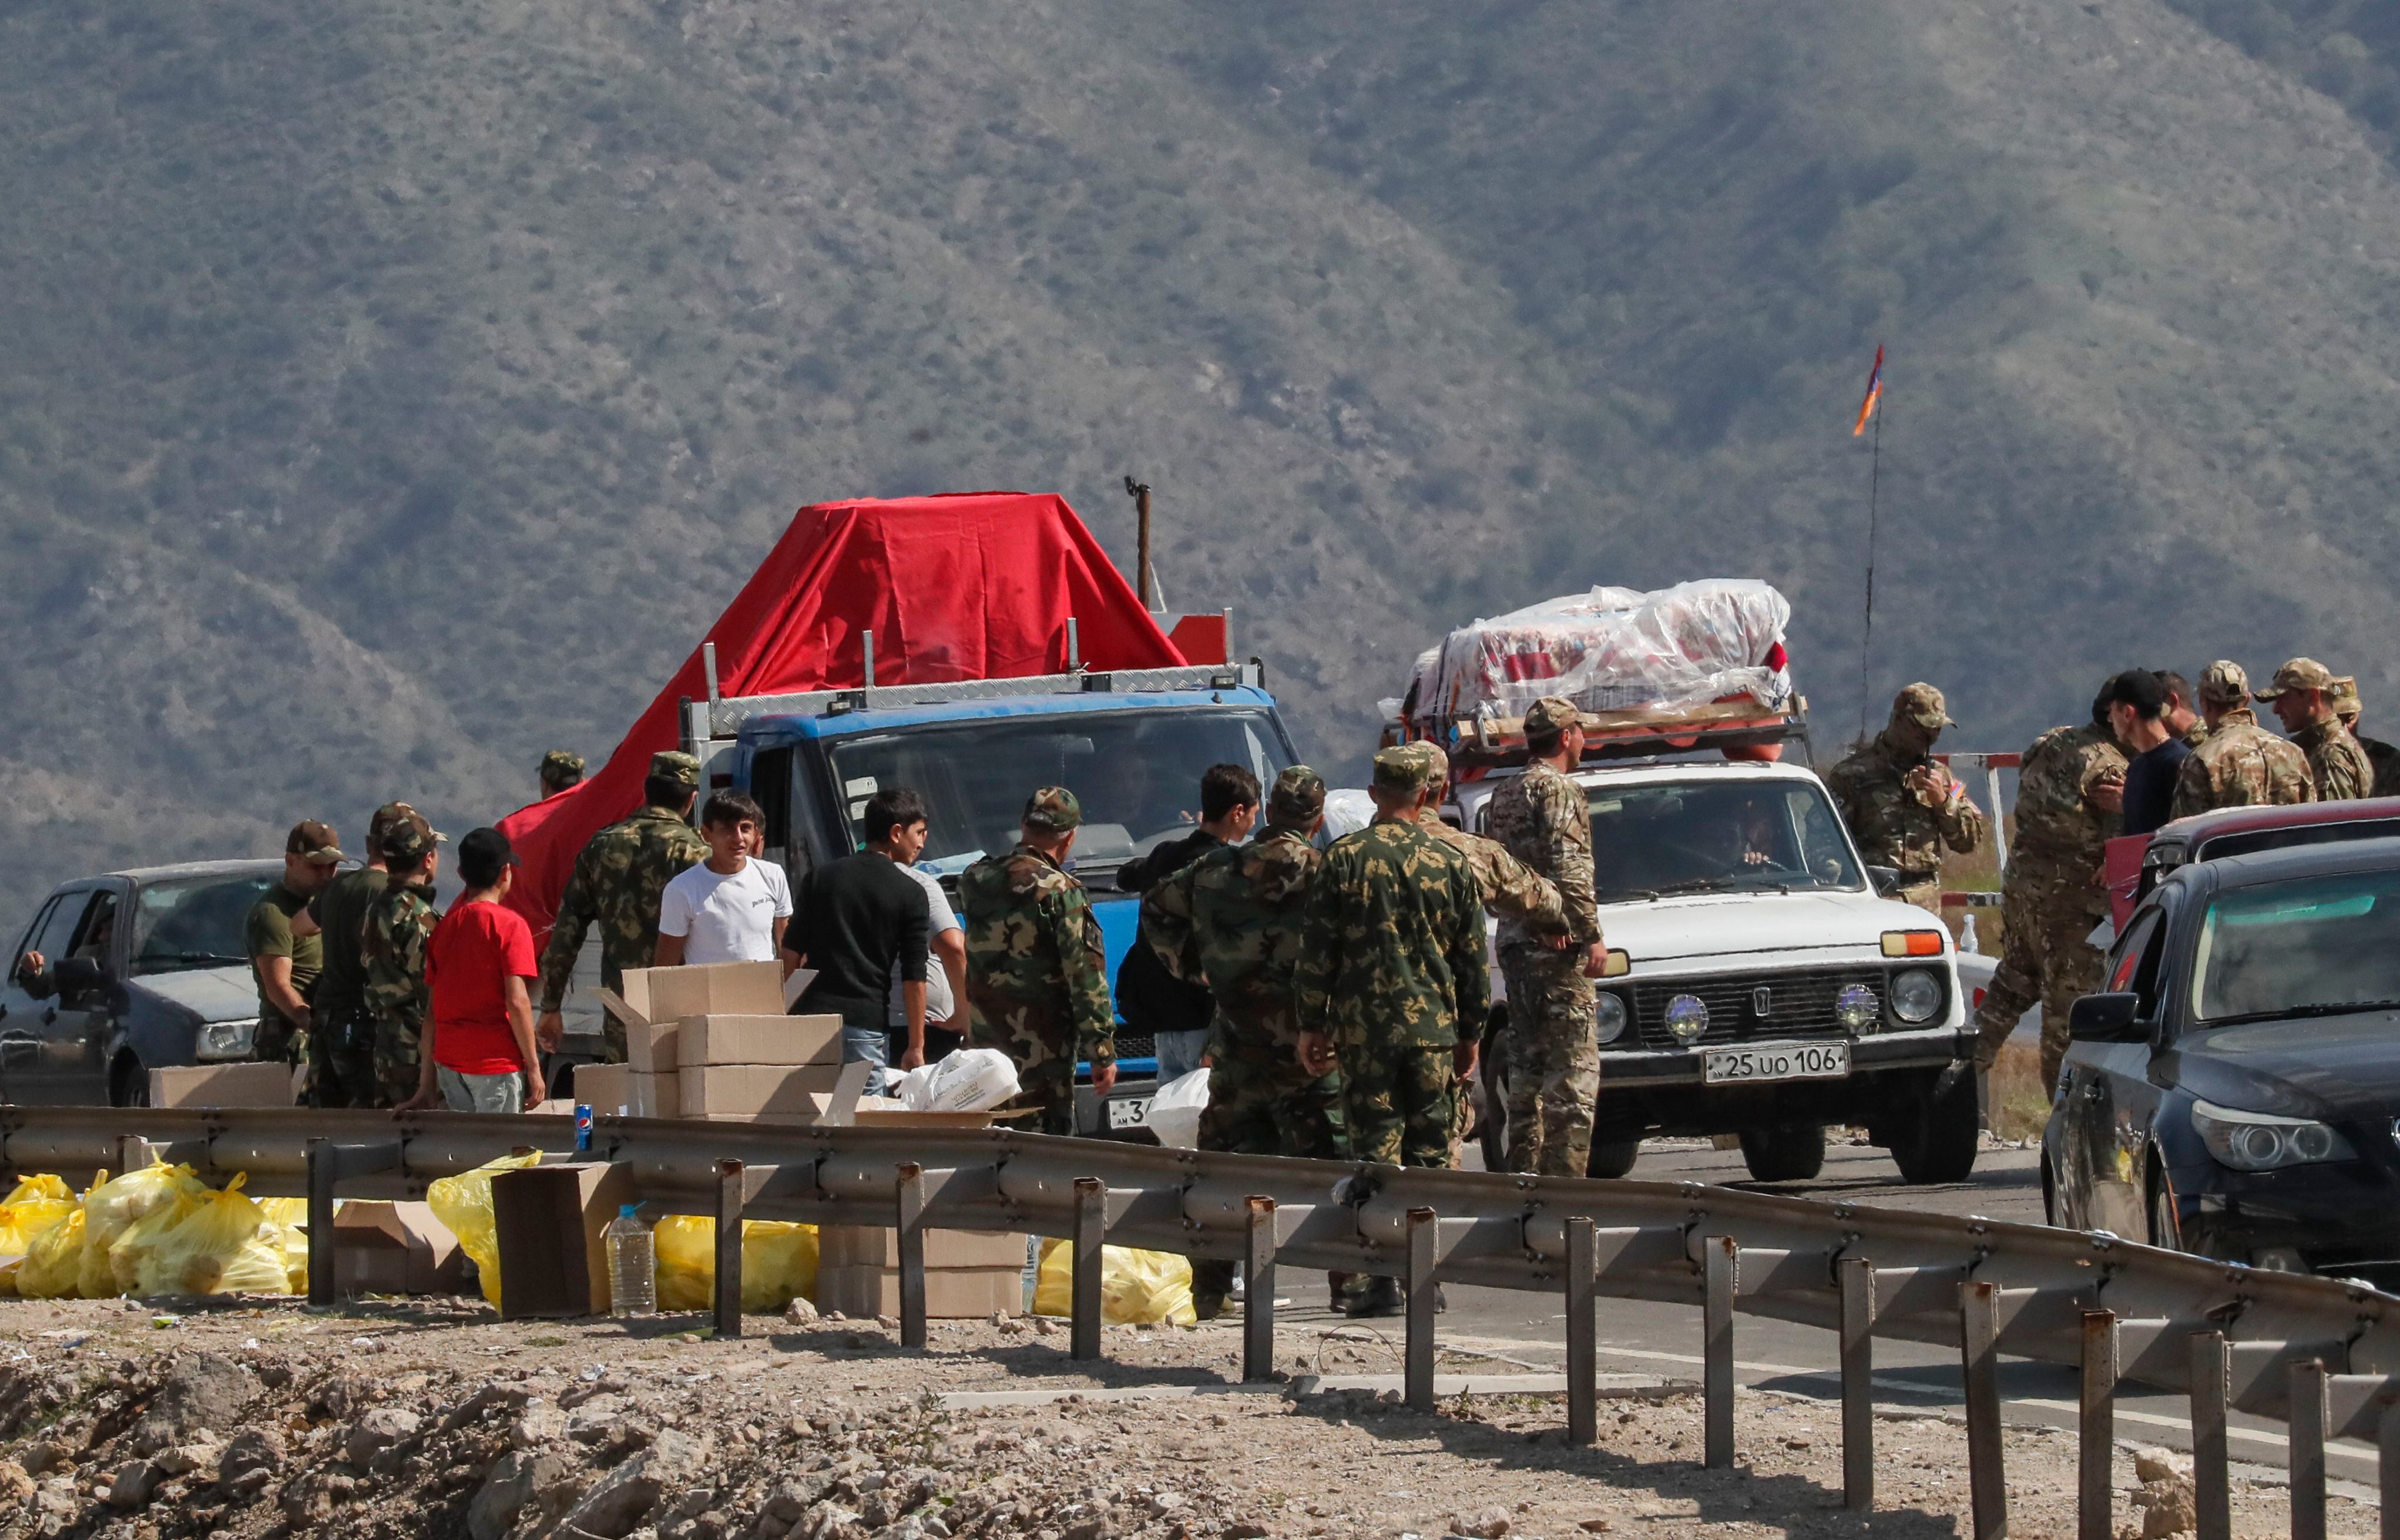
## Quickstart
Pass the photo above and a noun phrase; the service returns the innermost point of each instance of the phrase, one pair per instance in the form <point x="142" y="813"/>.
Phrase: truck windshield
<point x="2316" y="945"/>
<point x="1681" y="838"/>
<point x="1135" y="772"/>
<point x="194" y="924"/>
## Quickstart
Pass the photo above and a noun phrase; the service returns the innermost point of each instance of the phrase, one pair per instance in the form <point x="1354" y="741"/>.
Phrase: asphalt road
<point x="1522" y="1332"/>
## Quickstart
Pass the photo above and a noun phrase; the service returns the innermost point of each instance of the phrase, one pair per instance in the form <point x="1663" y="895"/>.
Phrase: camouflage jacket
<point x="1037" y="970"/>
<point x="1392" y="951"/>
<point x="615" y="884"/>
<point x="1511" y="890"/>
<point x="1232" y="920"/>
<point x="2058" y="826"/>
<point x="2242" y="765"/>
<point x="2196" y="734"/>
<point x="1891" y="823"/>
<point x="391" y="947"/>
<point x="2336" y="763"/>
<point x="2386" y="763"/>
<point x="1544" y="820"/>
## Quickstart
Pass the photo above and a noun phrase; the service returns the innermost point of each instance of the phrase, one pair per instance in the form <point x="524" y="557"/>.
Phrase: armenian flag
<point x="1874" y="394"/>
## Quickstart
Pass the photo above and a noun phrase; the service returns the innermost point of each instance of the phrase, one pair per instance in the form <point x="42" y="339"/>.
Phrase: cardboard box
<point x="549" y="1220"/>
<point x="394" y="1248"/>
<point x="222" y="1086"/>
<point x="650" y="1046"/>
<point x="711" y="988"/>
<point x="718" y="1038"/>
<point x="606" y="1088"/>
<point x="946" y="1250"/>
<point x="709" y="1089"/>
<point x="961" y="1294"/>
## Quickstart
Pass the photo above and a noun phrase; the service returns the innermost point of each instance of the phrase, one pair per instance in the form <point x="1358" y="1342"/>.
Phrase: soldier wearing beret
<point x="1037" y="970"/>
<point x="2240" y="763"/>
<point x="615" y="884"/>
<point x="2303" y="696"/>
<point x="1903" y="808"/>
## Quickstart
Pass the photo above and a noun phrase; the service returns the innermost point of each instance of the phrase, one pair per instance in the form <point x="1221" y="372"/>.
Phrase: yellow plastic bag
<point x="39" y="1188"/>
<point x="53" y="1262"/>
<point x="1135" y="1286"/>
<point x="464" y="1202"/>
<point x="37" y="1204"/>
<point x="110" y="1209"/>
<point x="208" y="1245"/>
<point x="285" y="1229"/>
<point x="779" y="1263"/>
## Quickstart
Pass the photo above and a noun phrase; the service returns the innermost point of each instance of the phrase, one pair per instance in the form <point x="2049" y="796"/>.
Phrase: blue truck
<point x="1130" y="744"/>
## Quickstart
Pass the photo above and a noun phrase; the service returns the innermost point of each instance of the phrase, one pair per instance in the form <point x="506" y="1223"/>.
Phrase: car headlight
<point x="1857" y="1009"/>
<point x="1687" y="1018"/>
<point x="225" y="1040"/>
<point x="1611" y="1016"/>
<point x="2261" y="1142"/>
<point x="1916" y="995"/>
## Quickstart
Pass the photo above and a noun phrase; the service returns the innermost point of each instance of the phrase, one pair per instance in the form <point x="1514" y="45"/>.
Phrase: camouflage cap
<point x="1400" y="768"/>
<point x="2225" y="682"/>
<point x="559" y="765"/>
<point x="2344" y="697"/>
<point x="1551" y="713"/>
<point x="1922" y="704"/>
<point x="316" y="841"/>
<point x="1295" y="799"/>
<point x="675" y="766"/>
<point x="385" y="817"/>
<point x="406" y="838"/>
<point x="1053" y="809"/>
<point x="2299" y="673"/>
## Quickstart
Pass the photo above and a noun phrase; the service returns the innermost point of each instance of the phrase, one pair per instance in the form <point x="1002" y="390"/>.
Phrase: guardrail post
<point x="2096" y="1429"/>
<point x="2211" y="1480"/>
<point x="910" y="1187"/>
<point x="731" y="1201"/>
<point x="132" y="1153"/>
<point x="2387" y="1467"/>
<point x="1718" y="1258"/>
<point x="328" y="1164"/>
<point x="1979" y="1322"/>
<point x="1091" y="1231"/>
<point x="2308" y="1417"/>
<point x="1423" y="1231"/>
<point x="1857" y="1275"/>
<point x="1583" y="1332"/>
<point x="1257" y="1292"/>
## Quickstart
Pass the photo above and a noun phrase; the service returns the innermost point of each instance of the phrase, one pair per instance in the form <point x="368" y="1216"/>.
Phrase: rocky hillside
<point x="393" y="390"/>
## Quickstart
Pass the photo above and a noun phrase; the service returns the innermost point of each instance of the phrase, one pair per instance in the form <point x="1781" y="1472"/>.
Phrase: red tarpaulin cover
<point x="969" y="585"/>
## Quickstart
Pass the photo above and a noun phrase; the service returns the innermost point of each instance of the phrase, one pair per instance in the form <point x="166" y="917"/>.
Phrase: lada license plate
<point x="1777" y="1061"/>
<point x="1129" y="1113"/>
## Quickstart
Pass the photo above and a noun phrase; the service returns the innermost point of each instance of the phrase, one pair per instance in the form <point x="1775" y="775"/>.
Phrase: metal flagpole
<point x="1866" y="641"/>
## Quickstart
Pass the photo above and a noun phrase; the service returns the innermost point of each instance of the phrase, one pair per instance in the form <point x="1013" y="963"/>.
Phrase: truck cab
<point x="1131" y="746"/>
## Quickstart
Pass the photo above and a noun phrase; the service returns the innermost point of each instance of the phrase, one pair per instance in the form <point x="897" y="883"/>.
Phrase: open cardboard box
<point x="394" y="1248"/>
<point x="222" y="1086"/>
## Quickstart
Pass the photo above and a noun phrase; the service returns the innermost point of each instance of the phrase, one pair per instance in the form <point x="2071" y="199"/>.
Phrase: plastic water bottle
<point x="633" y="1267"/>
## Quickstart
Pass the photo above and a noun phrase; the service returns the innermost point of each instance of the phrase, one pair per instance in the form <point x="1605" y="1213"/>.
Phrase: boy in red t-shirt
<point x="478" y="966"/>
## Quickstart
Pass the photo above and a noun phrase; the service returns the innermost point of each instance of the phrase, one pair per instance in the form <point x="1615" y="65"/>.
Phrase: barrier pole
<point x="1979" y="1312"/>
<point x="1258" y="1291"/>
<point x="910" y="1182"/>
<point x="2308" y="1417"/>
<point x="1719" y="1259"/>
<point x="731" y="1201"/>
<point x="1091" y="1230"/>
<point x="1583" y="1332"/>
<point x="1423" y="1231"/>
<point x="2211" y="1479"/>
<point x="2387" y="1467"/>
<point x="1857" y="1276"/>
<point x="2096" y="1428"/>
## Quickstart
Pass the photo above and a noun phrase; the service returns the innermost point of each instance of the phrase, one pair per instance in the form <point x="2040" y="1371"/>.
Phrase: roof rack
<point x="726" y="715"/>
<point x="1479" y="743"/>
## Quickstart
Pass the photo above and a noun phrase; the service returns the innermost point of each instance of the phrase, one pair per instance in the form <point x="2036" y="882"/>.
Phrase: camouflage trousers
<point x="1049" y="1085"/>
<point x="2047" y="962"/>
<point x="1926" y="896"/>
<point x="1263" y="1104"/>
<point x="397" y="1061"/>
<point x="341" y="1059"/>
<point x="1552" y="1055"/>
<point x="612" y="1033"/>
<point x="1400" y="1100"/>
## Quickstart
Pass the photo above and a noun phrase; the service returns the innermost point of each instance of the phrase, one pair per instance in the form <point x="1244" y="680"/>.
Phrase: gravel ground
<point x="434" y="1420"/>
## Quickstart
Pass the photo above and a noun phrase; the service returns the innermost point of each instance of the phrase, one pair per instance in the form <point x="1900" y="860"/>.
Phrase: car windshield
<point x="2314" y="946"/>
<point x="196" y="924"/>
<point x="1685" y="836"/>
<point x="1136" y="774"/>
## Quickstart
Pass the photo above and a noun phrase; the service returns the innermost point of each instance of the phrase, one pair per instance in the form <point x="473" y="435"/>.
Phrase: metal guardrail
<point x="2323" y="1355"/>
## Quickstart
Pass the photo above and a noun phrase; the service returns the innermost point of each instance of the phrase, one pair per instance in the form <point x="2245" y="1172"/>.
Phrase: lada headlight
<point x="1916" y="995"/>
<point x="1687" y="1018"/>
<point x="1857" y="1009"/>
<point x="220" y="1040"/>
<point x="1611" y="1016"/>
<point x="2262" y="1141"/>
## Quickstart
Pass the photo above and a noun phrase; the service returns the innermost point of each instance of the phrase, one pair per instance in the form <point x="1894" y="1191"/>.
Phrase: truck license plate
<point x="1777" y="1061"/>
<point x="1129" y="1113"/>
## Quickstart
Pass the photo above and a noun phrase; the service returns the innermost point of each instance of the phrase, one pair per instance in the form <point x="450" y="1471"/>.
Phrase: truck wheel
<point x="1611" y="1159"/>
<point x="1795" y="1151"/>
<point x="128" y="1084"/>
<point x="1940" y="1145"/>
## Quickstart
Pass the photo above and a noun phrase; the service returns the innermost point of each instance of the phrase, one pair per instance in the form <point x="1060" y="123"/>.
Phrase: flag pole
<point x="1866" y="640"/>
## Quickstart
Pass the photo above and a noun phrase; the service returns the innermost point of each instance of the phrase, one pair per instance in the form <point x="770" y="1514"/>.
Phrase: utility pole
<point x="1140" y="492"/>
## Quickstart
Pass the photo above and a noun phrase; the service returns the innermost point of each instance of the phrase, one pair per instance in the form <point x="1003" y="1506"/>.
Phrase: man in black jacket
<point x="1174" y="1014"/>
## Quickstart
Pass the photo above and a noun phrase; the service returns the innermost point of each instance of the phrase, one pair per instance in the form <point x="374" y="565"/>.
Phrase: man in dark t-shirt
<point x="341" y="1039"/>
<point x="2137" y="704"/>
<point x="856" y="921"/>
<point x="286" y="964"/>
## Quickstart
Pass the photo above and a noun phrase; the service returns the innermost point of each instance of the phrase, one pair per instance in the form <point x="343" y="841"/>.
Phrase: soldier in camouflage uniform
<point x="2242" y="764"/>
<point x="1037" y="972"/>
<point x="2303" y="696"/>
<point x="2070" y="793"/>
<point x="1232" y="919"/>
<point x="342" y="1043"/>
<point x="559" y="771"/>
<point x="399" y="923"/>
<point x="2382" y="756"/>
<point x="1511" y="890"/>
<point x="616" y="883"/>
<point x="1552" y="1053"/>
<point x="1900" y="806"/>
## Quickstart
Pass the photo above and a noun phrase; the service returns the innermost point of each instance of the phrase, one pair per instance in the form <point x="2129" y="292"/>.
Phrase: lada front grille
<point x="1798" y="1005"/>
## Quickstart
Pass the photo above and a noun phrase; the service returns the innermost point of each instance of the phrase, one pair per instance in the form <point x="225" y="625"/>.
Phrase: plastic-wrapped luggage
<point x="1613" y="649"/>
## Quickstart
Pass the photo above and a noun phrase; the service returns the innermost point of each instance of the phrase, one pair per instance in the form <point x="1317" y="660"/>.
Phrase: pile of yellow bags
<point x="779" y="1264"/>
<point x="159" y="1231"/>
<point x="464" y="1202"/>
<point x="1136" y="1287"/>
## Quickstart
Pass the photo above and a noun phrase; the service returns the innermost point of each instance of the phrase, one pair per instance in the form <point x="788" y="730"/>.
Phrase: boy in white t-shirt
<point x="731" y="908"/>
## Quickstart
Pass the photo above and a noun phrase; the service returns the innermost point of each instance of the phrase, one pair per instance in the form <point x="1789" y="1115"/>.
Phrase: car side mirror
<point x="2105" y="1018"/>
<point x="1885" y="878"/>
<point x="79" y="975"/>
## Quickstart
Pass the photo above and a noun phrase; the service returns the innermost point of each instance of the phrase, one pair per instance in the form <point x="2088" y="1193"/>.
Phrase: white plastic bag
<point x="970" y="1080"/>
<point x="1175" y="1111"/>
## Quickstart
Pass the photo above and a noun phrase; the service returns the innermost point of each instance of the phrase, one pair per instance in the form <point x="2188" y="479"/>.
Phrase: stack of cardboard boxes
<point x="713" y="1042"/>
<point x="967" y="1273"/>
